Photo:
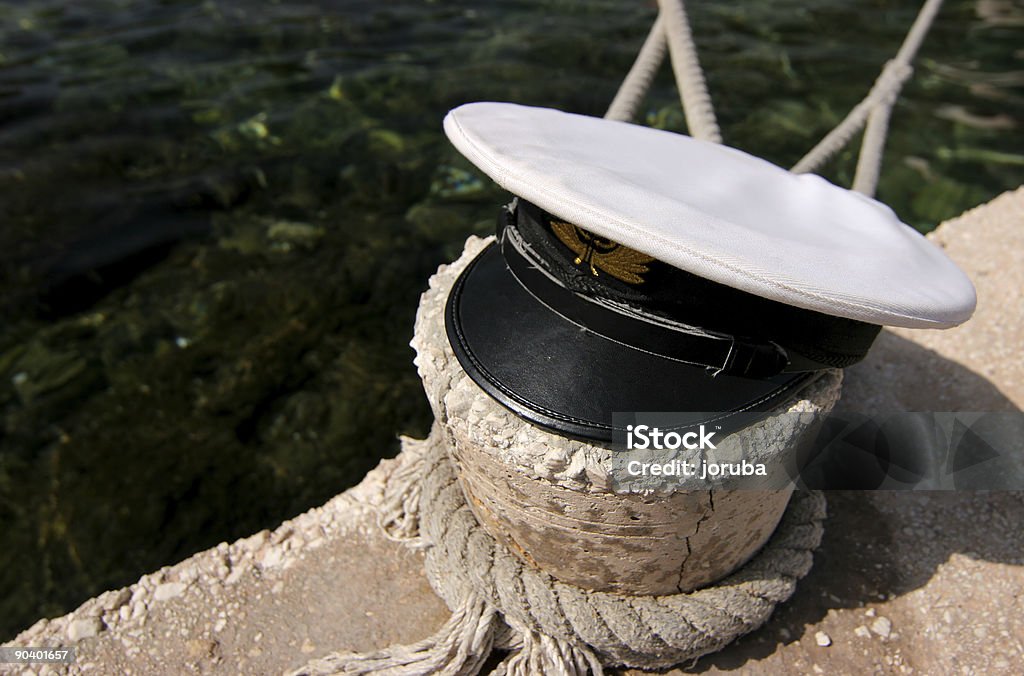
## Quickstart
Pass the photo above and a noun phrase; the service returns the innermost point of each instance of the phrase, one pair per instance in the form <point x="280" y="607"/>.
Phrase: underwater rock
<point x="451" y="181"/>
<point x="255" y="127"/>
<point x="262" y="235"/>
<point x="285" y="234"/>
<point x="444" y="222"/>
<point x="41" y="373"/>
<point x="386" y="141"/>
<point x="245" y="236"/>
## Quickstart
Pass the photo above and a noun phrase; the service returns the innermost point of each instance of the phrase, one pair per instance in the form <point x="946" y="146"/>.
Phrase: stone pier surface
<point x="922" y="583"/>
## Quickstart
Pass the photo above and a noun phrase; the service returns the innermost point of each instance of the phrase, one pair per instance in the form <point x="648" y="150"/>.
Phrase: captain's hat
<point x="642" y="270"/>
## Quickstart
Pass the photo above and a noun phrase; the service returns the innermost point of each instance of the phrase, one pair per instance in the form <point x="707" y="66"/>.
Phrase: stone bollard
<point x="551" y="499"/>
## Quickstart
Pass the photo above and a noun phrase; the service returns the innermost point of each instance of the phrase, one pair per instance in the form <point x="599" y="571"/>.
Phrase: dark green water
<point x="217" y="218"/>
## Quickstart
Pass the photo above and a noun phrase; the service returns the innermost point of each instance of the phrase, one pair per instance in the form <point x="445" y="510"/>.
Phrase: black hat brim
<point x="570" y="380"/>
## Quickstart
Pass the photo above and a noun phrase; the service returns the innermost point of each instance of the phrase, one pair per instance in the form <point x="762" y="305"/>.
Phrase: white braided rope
<point x="876" y="106"/>
<point x="550" y="627"/>
<point x="869" y="164"/>
<point x="638" y="80"/>
<point x="693" y="91"/>
<point x="889" y="82"/>
<point x="672" y="30"/>
<point x="872" y="147"/>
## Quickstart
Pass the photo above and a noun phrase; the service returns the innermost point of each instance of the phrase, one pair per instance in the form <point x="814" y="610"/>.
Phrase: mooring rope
<point x="638" y="80"/>
<point x="886" y="87"/>
<point x="548" y="627"/>
<point x="693" y="91"/>
<point x="875" y="110"/>
<point x="672" y="30"/>
<point x="869" y="164"/>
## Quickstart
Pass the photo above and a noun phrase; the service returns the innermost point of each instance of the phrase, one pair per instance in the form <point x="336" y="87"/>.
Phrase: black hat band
<point x="610" y="309"/>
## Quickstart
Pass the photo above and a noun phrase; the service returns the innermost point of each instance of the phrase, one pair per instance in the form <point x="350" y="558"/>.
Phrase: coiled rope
<point x="549" y="627"/>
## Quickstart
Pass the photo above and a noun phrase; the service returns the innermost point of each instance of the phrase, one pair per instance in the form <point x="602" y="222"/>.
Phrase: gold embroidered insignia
<point x="620" y="262"/>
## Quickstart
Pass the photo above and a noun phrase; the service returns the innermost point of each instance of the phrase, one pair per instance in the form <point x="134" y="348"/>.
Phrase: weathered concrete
<point x="268" y="603"/>
<point x="903" y="583"/>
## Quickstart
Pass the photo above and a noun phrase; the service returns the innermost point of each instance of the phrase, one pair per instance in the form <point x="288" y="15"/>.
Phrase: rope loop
<point x="546" y="626"/>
